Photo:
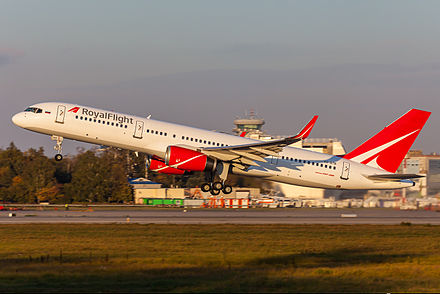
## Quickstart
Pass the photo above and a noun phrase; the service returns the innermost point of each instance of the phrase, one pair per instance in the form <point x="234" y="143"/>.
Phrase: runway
<point x="224" y="216"/>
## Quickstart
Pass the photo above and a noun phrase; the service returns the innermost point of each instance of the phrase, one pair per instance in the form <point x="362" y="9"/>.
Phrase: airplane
<point x="177" y="149"/>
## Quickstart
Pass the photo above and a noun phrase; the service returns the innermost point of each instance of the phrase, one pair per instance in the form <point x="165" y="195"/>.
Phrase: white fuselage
<point x="294" y="166"/>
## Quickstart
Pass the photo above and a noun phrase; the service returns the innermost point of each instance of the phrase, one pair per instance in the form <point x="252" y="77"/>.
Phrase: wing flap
<point x="249" y="155"/>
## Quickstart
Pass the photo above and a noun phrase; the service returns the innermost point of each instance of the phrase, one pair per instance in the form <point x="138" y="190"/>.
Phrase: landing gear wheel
<point x="227" y="189"/>
<point x="217" y="186"/>
<point x="205" y="187"/>
<point x="215" y="192"/>
<point x="58" y="157"/>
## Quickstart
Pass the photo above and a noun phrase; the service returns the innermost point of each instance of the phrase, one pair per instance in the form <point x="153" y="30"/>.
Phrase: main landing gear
<point x="216" y="187"/>
<point x="58" y="147"/>
<point x="222" y="170"/>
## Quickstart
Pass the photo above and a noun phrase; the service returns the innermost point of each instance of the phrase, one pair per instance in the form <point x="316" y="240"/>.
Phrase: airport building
<point x="416" y="162"/>
<point x="150" y="193"/>
<point x="251" y="125"/>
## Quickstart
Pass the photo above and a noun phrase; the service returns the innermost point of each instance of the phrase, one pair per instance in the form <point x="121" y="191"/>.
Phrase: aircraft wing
<point x="247" y="154"/>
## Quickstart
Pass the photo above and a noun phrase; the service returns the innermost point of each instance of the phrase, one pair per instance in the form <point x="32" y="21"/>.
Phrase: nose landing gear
<point x="58" y="147"/>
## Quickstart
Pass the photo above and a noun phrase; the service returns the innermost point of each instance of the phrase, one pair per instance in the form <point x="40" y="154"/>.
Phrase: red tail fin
<point x="387" y="149"/>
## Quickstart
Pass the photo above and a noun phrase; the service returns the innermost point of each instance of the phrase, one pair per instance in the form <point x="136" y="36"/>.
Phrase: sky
<point x="357" y="64"/>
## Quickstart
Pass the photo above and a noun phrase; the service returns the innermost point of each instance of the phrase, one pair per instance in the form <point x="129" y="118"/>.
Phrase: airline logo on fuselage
<point x="103" y="115"/>
<point x="74" y="109"/>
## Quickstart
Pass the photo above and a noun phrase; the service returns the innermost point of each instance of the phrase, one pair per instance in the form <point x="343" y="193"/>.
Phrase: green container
<point x="158" y="202"/>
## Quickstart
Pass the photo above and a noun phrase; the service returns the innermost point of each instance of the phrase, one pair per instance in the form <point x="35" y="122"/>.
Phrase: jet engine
<point x="160" y="167"/>
<point x="187" y="159"/>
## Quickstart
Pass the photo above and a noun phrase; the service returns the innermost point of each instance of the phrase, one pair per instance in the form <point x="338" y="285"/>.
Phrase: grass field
<point x="219" y="258"/>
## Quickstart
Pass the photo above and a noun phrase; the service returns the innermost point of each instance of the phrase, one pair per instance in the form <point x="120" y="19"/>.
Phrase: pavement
<point x="224" y="216"/>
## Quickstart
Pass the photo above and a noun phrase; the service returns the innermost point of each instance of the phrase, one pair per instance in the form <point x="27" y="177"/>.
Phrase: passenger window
<point x="76" y="117"/>
<point x="160" y="133"/>
<point x="192" y="139"/>
<point x="81" y="118"/>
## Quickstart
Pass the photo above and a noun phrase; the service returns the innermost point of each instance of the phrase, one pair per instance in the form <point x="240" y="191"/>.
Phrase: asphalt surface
<point x="224" y="216"/>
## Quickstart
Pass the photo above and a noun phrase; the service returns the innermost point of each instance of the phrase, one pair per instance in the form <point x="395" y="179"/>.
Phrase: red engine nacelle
<point x="187" y="159"/>
<point x="160" y="167"/>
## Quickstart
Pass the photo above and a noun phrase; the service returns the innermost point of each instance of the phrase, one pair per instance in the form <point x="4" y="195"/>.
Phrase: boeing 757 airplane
<point x="176" y="149"/>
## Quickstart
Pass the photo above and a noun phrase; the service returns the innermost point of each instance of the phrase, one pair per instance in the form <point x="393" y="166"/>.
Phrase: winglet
<point x="305" y="132"/>
<point x="242" y="134"/>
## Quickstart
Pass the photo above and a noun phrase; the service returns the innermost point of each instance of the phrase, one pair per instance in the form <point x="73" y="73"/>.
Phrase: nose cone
<point x="19" y="119"/>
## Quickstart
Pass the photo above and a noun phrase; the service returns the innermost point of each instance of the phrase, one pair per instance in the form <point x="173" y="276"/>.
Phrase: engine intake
<point x="187" y="159"/>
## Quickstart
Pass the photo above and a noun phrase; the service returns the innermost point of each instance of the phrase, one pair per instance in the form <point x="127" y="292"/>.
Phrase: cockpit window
<point x="34" y="110"/>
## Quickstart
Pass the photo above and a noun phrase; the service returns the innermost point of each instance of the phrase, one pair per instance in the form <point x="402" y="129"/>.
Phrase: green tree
<point x="99" y="178"/>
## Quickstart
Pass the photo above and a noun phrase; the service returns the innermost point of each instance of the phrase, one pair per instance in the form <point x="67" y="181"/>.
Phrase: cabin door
<point x="138" y="129"/>
<point x="61" y="113"/>
<point x="345" y="171"/>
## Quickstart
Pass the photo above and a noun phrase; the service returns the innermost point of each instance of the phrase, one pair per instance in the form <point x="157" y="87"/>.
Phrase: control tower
<point x="251" y="124"/>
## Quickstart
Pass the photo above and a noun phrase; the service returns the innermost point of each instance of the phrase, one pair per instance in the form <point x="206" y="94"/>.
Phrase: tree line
<point x="90" y="176"/>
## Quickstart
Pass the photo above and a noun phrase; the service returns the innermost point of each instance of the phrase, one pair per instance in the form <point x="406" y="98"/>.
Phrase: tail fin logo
<point x="387" y="149"/>
<point x="371" y="157"/>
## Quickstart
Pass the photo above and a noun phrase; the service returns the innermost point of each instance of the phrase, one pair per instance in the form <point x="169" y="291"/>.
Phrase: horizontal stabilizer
<point x="394" y="177"/>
